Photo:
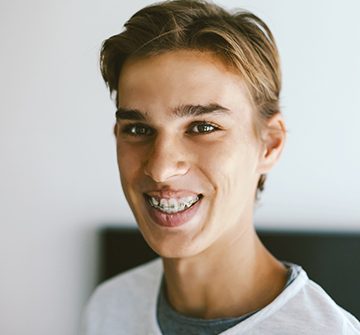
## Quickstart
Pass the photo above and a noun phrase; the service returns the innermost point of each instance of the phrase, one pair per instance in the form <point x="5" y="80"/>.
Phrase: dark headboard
<point x="332" y="259"/>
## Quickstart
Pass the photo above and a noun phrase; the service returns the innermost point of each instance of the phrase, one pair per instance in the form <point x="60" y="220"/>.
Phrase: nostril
<point x="165" y="169"/>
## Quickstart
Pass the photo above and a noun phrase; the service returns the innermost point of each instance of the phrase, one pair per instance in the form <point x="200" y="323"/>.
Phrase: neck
<point x="225" y="281"/>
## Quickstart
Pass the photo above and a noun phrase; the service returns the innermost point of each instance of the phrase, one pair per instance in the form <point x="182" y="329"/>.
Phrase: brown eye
<point x="137" y="130"/>
<point x="203" y="128"/>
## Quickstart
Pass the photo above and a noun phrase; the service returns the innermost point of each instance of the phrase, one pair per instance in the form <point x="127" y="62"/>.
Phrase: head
<point x="174" y="63"/>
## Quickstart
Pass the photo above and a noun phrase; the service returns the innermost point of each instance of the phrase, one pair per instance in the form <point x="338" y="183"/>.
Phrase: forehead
<point x="179" y="78"/>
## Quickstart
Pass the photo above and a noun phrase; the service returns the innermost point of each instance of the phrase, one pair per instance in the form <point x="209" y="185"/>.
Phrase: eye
<point x="137" y="129"/>
<point x="203" y="127"/>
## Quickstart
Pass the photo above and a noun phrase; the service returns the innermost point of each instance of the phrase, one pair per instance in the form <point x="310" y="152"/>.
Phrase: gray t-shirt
<point x="174" y="323"/>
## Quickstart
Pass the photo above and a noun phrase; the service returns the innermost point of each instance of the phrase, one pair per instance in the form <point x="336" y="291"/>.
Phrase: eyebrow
<point x="129" y="114"/>
<point x="196" y="110"/>
<point x="180" y="111"/>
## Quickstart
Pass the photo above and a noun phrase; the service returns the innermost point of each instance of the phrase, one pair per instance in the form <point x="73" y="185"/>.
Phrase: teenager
<point x="198" y="128"/>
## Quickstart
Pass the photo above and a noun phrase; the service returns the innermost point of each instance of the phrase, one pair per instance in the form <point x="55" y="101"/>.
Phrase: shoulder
<point x="122" y="298"/>
<point x="324" y="310"/>
<point x="310" y="310"/>
<point x="135" y="281"/>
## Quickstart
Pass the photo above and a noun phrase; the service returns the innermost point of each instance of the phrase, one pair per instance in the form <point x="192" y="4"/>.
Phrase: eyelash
<point x="204" y="124"/>
<point x="130" y="128"/>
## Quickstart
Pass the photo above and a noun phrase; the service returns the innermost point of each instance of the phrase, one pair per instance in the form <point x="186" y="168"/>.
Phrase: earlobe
<point x="273" y="139"/>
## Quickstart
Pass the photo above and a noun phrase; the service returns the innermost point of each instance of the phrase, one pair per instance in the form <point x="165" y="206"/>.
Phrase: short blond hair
<point x="240" y="39"/>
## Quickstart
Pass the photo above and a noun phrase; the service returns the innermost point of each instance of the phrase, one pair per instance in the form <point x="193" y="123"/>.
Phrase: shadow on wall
<point x="331" y="259"/>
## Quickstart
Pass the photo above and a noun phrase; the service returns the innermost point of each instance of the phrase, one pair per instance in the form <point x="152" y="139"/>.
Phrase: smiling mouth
<point x="172" y="205"/>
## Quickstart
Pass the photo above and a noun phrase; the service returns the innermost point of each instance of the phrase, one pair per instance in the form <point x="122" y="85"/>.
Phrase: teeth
<point x="154" y="201"/>
<point x="173" y="205"/>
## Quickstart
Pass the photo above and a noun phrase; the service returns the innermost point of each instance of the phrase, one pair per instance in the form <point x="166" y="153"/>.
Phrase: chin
<point x="165" y="250"/>
<point x="172" y="244"/>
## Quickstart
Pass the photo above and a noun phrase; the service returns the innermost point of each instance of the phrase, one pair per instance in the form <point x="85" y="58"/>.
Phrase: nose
<point x="166" y="159"/>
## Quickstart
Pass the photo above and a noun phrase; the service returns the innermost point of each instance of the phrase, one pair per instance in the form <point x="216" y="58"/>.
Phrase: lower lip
<point x="172" y="220"/>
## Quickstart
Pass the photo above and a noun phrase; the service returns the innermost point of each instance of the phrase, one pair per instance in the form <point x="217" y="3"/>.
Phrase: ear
<point x="273" y="138"/>
<point x="115" y="129"/>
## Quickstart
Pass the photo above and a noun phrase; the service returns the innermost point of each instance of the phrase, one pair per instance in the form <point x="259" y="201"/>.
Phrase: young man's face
<point x="185" y="137"/>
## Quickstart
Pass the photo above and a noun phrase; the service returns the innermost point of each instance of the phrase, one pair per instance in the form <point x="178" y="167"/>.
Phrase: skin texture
<point x="215" y="265"/>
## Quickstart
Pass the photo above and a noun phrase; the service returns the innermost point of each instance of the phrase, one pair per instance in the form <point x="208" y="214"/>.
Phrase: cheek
<point x="129" y="162"/>
<point x="229" y="167"/>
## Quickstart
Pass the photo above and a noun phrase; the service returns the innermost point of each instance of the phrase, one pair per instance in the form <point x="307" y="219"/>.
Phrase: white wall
<point x="58" y="176"/>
